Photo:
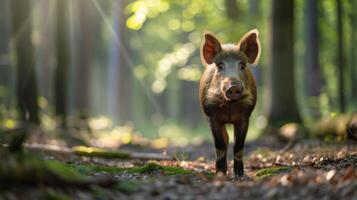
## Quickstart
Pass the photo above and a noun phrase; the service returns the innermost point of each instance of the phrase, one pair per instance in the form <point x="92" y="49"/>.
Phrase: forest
<point x="101" y="99"/>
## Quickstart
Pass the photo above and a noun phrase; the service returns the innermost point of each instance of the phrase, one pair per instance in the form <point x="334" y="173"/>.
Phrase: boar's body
<point x="216" y="107"/>
<point x="228" y="93"/>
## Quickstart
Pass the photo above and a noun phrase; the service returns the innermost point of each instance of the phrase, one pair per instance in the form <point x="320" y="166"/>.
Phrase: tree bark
<point x="255" y="12"/>
<point x="353" y="55"/>
<point x="340" y="58"/>
<point x="173" y="94"/>
<point x="281" y="88"/>
<point x="232" y="9"/>
<point x="24" y="61"/>
<point x="6" y="77"/>
<point x="312" y="67"/>
<point x="84" y="61"/>
<point x="45" y="50"/>
<point x="190" y="112"/>
<point x="125" y="71"/>
<point x="62" y="63"/>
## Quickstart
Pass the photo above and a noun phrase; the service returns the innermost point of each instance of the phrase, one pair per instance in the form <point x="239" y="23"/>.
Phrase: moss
<point x="268" y="172"/>
<point x="147" y="168"/>
<point x="63" y="171"/>
<point x="99" y="152"/>
<point x="90" y="169"/>
<point x="26" y="168"/>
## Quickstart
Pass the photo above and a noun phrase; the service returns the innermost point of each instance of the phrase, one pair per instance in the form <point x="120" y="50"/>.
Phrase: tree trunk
<point x="282" y="104"/>
<point x="232" y="9"/>
<point x="254" y="21"/>
<point x="113" y="71"/>
<point x="353" y="55"/>
<point x="6" y="77"/>
<point x="45" y="49"/>
<point x="312" y="67"/>
<point x="84" y="61"/>
<point x="173" y="94"/>
<point x="340" y="58"/>
<point x="62" y="63"/>
<point x="120" y="73"/>
<point x="24" y="60"/>
<point x="190" y="112"/>
<point x="255" y="12"/>
<point x="125" y="71"/>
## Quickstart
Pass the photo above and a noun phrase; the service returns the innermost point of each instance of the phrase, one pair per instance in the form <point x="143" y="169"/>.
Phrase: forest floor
<point x="308" y="170"/>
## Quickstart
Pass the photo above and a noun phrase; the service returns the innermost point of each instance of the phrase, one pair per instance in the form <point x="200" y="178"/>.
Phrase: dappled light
<point x="189" y="99"/>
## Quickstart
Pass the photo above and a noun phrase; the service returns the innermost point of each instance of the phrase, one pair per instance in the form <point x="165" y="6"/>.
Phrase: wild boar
<point x="228" y="93"/>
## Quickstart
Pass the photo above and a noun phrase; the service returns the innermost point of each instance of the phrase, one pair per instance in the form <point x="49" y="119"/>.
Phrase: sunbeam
<point x="26" y="23"/>
<point x="119" y="43"/>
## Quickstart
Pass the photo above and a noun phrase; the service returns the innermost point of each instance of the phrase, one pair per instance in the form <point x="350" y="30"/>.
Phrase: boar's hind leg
<point x="240" y="131"/>
<point x="221" y="142"/>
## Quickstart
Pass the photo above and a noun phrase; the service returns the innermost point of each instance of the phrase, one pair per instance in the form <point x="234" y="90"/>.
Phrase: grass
<point x="268" y="172"/>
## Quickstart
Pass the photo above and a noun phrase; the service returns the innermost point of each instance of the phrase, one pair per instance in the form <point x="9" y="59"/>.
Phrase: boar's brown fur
<point x="228" y="93"/>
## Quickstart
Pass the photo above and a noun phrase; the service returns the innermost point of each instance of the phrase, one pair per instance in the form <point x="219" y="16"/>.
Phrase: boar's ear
<point x="210" y="48"/>
<point x="250" y="46"/>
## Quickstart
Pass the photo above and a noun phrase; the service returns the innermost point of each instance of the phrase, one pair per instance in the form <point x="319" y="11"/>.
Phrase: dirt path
<point x="310" y="170"/>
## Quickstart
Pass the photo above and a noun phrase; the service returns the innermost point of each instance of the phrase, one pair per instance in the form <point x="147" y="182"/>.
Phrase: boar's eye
<point x="220" y="66"/>
<point x="242" y="65"/>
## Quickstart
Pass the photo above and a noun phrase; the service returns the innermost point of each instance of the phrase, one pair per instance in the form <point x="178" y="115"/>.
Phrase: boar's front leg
<point x="221" y="142"/>
<point x="240" y="131"/>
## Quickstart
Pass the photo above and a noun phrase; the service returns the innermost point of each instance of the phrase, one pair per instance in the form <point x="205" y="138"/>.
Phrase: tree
<point x="190" y="112"/>
<point x="312" y="67"/>
<point x="340" y="58"/>
<point x="26" y="87"/>
<point x="255" y="12"/>
<point x="281" y="87"/>
<point x="84" y="50"/>
<point x="125" y="71"/>
<point x="353" y="20"/>
<point x="120" y="73"/>
<point x="5" y="71"/>
<point x="232" y="9"/>
<point x="44" y="48"/>
<point x="62" y="63"/>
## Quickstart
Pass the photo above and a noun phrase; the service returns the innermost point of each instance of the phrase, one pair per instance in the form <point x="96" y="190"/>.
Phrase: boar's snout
<point x="233" y="91"/>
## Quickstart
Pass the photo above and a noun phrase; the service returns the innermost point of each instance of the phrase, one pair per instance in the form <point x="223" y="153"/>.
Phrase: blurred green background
<point x="114" y="71"/>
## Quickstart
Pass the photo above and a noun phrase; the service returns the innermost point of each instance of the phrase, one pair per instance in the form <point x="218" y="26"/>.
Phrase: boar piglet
<point x="228" y="93"/>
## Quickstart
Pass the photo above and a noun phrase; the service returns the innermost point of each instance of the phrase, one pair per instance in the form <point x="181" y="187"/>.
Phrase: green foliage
<point x="163" y="49"/>
<point x="172" y="32"/>
<point x="268" y="172"/>
<point x="99" y="152"/>
<point x="147" y="168"/>
<point x="26" y="168"/>
<point x="63" y="171"/>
